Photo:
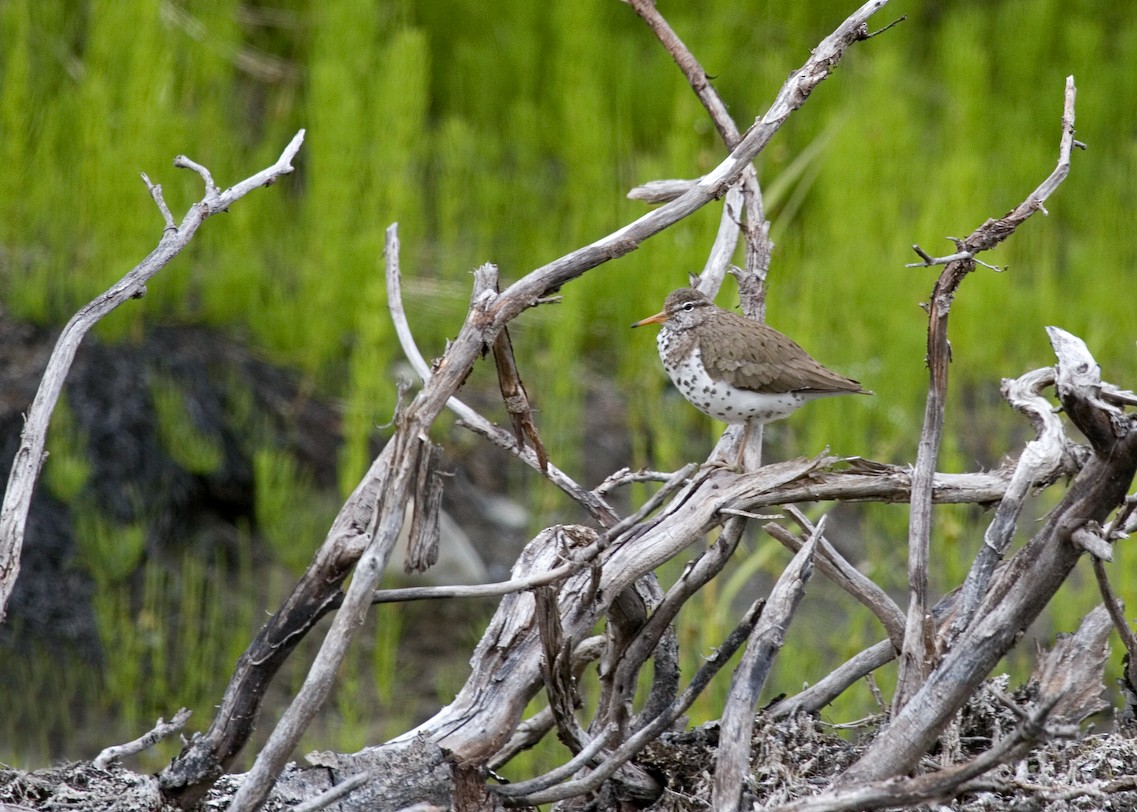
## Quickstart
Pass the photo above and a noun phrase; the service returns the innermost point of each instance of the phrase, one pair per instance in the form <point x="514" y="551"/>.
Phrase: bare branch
<point x="1117" y="615"/>
<point x="825" y="690"/>
<point x="793" y="94"/>
<point x="516" y="399"/>
<point x="746" y="684"/>
<point x="1038" y="459"/>
<point x="30" y="455"/>
<point x="162" y="730"/>
<point x="1030" y="578"/>
<point x="837" y="568"/>
<point x="330" y="796"/>
<point x="160" y="201"/>
<point x="592" y="502"/>
<point x="916" y="659"/>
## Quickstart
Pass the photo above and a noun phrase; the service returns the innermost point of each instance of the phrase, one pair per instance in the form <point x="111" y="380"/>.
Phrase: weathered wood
<point x="1024" y="587"/>
<point x="918" y="654"/>
<point x="733" y="762"/>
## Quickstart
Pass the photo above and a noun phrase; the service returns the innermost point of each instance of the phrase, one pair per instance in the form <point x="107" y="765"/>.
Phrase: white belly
<point x="723" y="402"/>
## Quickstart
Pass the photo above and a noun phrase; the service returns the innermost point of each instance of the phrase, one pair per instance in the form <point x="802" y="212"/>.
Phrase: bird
<point x="735" y="369"/>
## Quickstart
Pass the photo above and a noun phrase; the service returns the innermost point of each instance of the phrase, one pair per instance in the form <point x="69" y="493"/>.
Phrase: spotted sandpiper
<point x="736" y="369"/>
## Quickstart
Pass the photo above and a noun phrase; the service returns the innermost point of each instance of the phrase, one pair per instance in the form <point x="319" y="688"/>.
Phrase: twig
<point x="626" y="476"/>
<point x="160" y="202"/>
<point x="837" y="568"/>
<point x="959" y="256"/>
<point x="515" y="398"/>
<point x="162" y="730"/>
<point x="1117" y="614"/>
<point x="916" y="658"/>
<point x="825" y="690"/>
<point x="30" y="455"/>
<point x="495" y="590"/>
<point x="793" y="94"/>
<point x="522" y="789"/>
<point x="696" y="76"/>
<point x="674" y="483"/>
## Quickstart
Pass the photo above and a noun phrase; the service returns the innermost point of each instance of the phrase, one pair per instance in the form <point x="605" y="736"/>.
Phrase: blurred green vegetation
<point x="510" y="132"/>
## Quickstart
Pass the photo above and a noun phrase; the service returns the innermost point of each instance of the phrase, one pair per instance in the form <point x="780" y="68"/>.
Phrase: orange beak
<point x="658" y="318"/>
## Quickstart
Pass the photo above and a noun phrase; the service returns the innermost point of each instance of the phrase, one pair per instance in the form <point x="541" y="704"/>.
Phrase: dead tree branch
<point x="837" y="568"/>
<point x="388" y="478"/>
<point x="746" y="684"/>
<point x="162" y="730"/>
<point x="30" y="456"/>
<point x="917" y="658"/>
<point x="592" y="502"/>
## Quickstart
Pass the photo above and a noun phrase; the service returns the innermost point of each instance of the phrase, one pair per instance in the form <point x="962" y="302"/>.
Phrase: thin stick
<point x="162" y="730"/>
<point x="330" y="796"/>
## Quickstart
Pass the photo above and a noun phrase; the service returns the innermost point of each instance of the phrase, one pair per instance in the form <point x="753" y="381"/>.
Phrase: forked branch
<point x="30" y="455"/>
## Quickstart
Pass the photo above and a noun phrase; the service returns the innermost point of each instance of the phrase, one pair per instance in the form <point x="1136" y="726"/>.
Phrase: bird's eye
<point x="689" y="306"/>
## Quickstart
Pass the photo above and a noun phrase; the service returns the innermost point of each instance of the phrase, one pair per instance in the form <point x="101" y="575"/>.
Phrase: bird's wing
<point x="747" y="365"/>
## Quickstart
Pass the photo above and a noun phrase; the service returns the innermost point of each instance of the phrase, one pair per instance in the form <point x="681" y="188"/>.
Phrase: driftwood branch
<point x="731" y="766"/>
<point x="837" y="568"/>
<point x="30" y="456"/>
<point x="1025" y="585"/>
<point x="591" y="501"/>
<point x="917" y="657"/>
<point x="1038" y="458"/>
<point x="357" y="530"/>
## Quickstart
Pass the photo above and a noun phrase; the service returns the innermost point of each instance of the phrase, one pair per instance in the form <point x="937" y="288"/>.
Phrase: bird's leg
<point x="750" y="447"/>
